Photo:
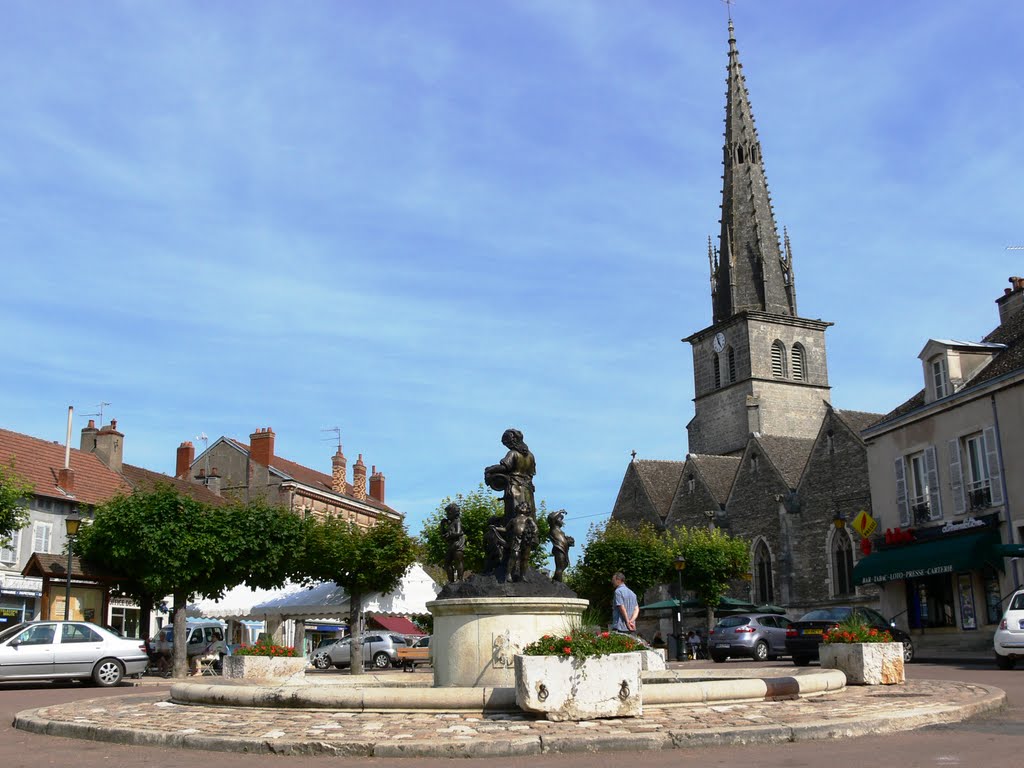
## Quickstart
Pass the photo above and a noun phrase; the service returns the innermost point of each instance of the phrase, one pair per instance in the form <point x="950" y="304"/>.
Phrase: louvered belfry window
<point x="778" y="360"/>
<point x="732" y="364"/>
<point x="798" y="362"/>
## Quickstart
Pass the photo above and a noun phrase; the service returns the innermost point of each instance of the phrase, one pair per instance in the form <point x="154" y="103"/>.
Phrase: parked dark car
<point x="759" y="636"/>
<point x="803" y="638"/>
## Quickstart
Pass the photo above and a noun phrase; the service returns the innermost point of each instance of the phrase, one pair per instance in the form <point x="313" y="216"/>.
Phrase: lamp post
<point x="679" y="565"/>
<point x="71" y="525"/>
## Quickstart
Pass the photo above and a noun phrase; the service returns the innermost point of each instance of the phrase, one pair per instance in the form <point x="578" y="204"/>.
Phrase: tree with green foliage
<point x="713" y="560"/>
<point x="361" y="561"/>
<point x="478" y="507"/>
<point x="641" y="553"/>
<point x="160" y="541"/>
<point x="14" y="495"/>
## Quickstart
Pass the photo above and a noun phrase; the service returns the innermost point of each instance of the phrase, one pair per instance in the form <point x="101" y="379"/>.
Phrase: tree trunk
<point x="356" y="656"/>
<point x="180" y="635"/>
<point x="145" y="616"/>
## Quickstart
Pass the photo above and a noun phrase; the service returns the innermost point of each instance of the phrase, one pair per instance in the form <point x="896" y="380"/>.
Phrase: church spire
<point x="752" y="272"/>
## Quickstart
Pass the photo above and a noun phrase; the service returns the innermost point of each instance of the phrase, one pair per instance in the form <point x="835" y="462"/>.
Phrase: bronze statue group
<point x="509" y="540"/>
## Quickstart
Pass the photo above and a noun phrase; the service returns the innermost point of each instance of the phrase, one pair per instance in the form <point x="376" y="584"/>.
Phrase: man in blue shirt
<point x="625" y="608"/>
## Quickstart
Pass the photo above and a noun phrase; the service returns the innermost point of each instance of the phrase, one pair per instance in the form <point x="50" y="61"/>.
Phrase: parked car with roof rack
<point x="803" y="638"/>
<point x="1008" y="641"/>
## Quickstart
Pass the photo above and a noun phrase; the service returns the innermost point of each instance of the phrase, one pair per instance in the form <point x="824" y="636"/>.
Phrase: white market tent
<point x="328" y="600"/>
<point x="237" y="603"/>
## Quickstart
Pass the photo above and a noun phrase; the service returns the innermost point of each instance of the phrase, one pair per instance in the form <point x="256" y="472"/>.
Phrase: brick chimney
<point x="339" y="472"/>
<point x="110" y="446"/>
<point x="261" y="446"/>
<point x="183" y="463"/>
<point x="66" y="480"/>
<point x="88" y="444"/>
<point x="359" y="479"/>
<point x="377" y="485"/>
<point x="1012" y="300"/>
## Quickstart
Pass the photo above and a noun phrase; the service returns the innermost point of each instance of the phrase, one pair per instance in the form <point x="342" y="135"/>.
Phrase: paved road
<point x="994" y="740"/>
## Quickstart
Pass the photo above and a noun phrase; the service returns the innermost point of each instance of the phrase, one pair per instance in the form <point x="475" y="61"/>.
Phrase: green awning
<point x="948" y="554"/>
<point x="1012" y="550"/>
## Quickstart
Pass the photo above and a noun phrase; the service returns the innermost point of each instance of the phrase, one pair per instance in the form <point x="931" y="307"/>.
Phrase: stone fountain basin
<point x="389" y="693"/>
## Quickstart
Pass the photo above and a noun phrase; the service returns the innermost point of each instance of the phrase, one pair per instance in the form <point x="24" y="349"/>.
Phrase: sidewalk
<point x="148" y="718"/>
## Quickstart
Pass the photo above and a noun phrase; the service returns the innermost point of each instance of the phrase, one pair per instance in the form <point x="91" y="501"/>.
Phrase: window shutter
<point x="956" y="478"/>
<point x="9" y="554"/>
<point x="901" y="493"/>
<point x="995" y="472"/>
<point x="931" y="468"/>
<point x="778" y="360"/>
<point x="798" y="362"/>
<point x="41" y="537"/>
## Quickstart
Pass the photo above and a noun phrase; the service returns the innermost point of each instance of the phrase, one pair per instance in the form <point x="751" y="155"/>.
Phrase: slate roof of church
<point x="719" y="473"/>
<point x="660" y="479"/>
<point x="788" y="454"/>
<point x="857" y="420"/>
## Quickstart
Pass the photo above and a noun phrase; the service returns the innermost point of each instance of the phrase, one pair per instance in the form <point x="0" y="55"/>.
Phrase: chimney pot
<point x="359" y="479"/>
<point x="66" y="479"/>
<point x="92" y="423"/>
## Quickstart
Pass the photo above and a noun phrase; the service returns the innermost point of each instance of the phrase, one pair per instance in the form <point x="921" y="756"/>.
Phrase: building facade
<point x="234" y="469"/>
<point x="947" y="484"/>
<point x="770" y="459"/>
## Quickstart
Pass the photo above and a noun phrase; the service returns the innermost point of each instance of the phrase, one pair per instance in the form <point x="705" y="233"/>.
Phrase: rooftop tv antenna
<point x="1015" y="247"/>
<point x="201" y="437"/>
<point x="337" y="435"/>
<point x="101" y="405"/>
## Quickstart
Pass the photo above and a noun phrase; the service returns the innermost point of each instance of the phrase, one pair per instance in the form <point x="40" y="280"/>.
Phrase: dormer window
<point x="940" y="376"/>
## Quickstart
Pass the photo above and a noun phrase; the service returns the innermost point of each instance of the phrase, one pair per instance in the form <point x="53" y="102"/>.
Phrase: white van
<point x="205" y="637"/>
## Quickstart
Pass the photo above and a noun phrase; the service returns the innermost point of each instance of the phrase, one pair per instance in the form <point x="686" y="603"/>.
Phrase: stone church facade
<point x="770" y="458"/>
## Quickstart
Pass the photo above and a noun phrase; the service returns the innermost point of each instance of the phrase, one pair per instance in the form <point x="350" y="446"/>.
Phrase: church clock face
<point x="719" y="342"/>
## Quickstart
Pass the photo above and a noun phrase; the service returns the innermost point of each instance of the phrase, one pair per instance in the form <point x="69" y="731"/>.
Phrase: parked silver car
<point x="50" y="650"/>
<point x="379" y="648"/>
<point x="760" y="636"/>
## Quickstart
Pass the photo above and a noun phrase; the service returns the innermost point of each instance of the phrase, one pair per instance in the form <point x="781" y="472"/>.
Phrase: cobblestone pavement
<point x="153" y="719"/>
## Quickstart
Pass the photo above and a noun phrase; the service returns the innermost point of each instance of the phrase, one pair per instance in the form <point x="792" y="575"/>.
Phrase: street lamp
<point x="71" y="525"/>
<point x="839" y="521"/>
<point x="679" y="565"/>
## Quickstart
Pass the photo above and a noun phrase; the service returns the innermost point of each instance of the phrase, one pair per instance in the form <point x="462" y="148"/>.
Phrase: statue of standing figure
<point x="560" y="543"/>
<point x="511" y="540"/>
<point x="451" y="531"/>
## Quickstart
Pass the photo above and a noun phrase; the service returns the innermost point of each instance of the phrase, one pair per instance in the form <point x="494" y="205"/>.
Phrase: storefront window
<point x="125" y="620"/>
<point x="993" y="601"/>
<point x="930" y="602"/>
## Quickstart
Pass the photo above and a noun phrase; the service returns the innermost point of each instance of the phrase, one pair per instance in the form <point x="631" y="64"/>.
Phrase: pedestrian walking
<point x="625" y="608"/>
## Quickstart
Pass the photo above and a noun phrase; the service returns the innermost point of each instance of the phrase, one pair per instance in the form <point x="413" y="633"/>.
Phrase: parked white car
<point x="51" y="650"/>
<point x="1009" y="638"/>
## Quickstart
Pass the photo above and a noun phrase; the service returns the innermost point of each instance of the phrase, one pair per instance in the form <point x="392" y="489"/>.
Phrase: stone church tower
<point x="759" y="367"/>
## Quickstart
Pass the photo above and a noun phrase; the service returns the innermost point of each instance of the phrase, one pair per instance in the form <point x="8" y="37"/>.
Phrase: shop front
<point x="943" y="582"/>
<point x="19" y="598"/>
<point x="89" y="590"/>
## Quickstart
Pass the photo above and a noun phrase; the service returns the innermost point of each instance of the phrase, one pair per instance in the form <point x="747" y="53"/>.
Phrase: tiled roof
<point x="788" y="454"/>
<point x="313" y="478"/>
<point x="1010" y="333"/>
<point x="56" y="567"/>
<point x="719" y="472"/>
<point x="147" y="479"/>
<point x="660" y="479"/>
<point x="38" y="461"/>
<point x="857" y="420"/>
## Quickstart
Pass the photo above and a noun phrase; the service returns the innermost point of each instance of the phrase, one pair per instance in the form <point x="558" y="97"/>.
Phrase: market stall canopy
<point x="329" y="600"/>
<point x="946" y="554"/>
<point x="238" y="602"/>
<point x="726" y="605"/>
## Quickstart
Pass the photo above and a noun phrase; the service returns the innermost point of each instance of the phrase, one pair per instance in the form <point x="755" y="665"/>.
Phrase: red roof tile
<point x="39" y="461"/>
<point x="147" y="479"/>
<point x="313" y="478"/>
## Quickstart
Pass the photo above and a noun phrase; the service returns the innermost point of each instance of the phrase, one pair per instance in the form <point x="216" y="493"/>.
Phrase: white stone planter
<point x="565" y="688"/>
<point x="866" y="663"/>
<point x="276" y="668"/>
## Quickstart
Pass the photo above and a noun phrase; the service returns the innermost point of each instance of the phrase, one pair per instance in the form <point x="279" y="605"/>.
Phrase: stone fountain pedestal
<point x="476" y="639"/>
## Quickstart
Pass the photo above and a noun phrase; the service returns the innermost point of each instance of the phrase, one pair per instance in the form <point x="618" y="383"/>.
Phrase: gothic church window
<point x="718" y="372"/>
<point x="764" y="586"/>
<point x="739" y="154"/>
<point x="798" y="362"/>
<point x="778" y="359"/>
<point x="842" y="563"/>
<point x="732" y="365"/>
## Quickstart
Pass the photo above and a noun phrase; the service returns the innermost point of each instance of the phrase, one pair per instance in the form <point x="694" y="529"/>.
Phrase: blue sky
<point x="426" y="222"/>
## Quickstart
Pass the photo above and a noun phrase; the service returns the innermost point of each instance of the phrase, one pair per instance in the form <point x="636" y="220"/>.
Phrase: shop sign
<point x="21" y="586"/>
<point x="914" y="573"/>
<point x="963" y="525"/>
<point x="864" y="524"/>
